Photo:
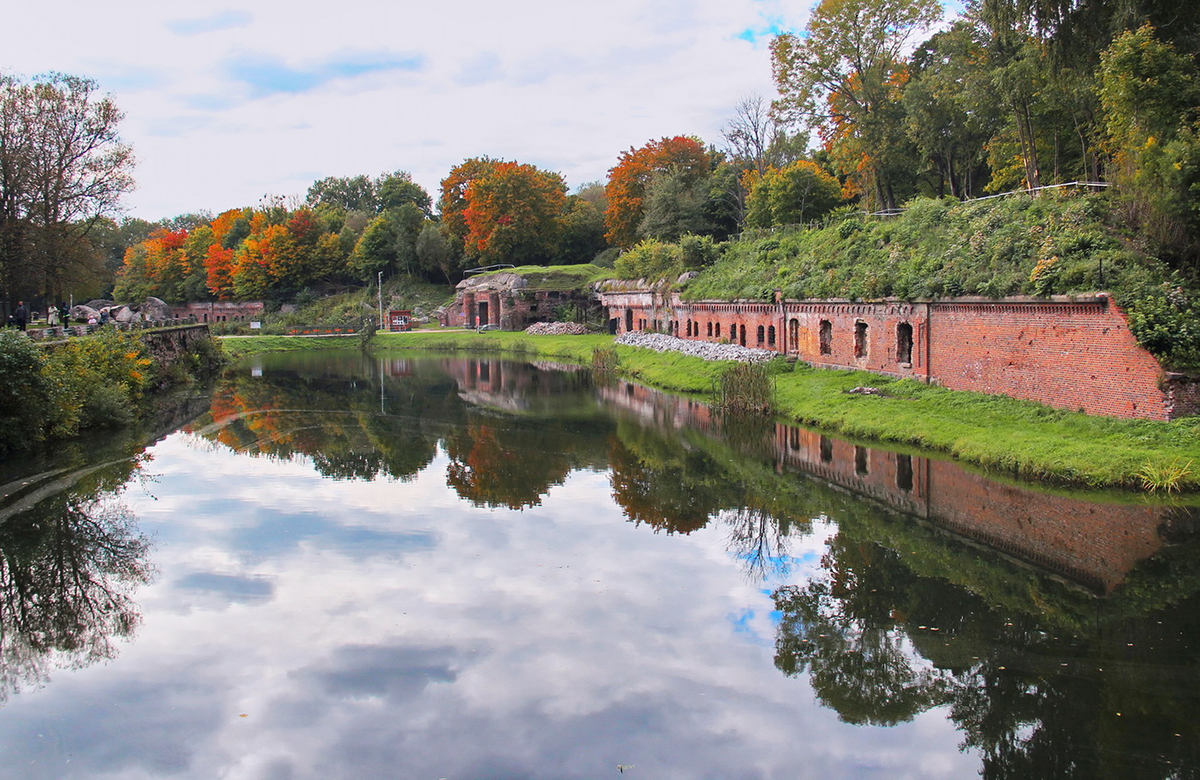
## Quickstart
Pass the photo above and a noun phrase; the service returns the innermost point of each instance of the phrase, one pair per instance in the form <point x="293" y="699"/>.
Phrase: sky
<point x="228" y="103"/>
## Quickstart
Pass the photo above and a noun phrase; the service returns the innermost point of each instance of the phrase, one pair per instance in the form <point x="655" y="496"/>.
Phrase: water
<point x="420" y="568"/>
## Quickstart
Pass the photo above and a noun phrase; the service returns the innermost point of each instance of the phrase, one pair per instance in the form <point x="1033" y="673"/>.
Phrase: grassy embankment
<point x="1017" y="438"/>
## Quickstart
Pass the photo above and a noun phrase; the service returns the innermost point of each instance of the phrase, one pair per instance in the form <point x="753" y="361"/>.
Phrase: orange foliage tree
<point x="453" y="200"/>
<point x="628" y="179"/>
<point x="514" y="214"/>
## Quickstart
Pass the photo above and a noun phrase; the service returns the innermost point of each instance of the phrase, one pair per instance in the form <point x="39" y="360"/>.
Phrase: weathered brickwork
<point x="1075" y="354"/>
<point x="507" y="309"/>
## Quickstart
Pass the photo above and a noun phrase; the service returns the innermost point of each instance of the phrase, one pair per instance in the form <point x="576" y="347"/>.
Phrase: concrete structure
<point x="218" y="311"/>
<point x="506" y="301"/>
<point x="1074" y="353"/>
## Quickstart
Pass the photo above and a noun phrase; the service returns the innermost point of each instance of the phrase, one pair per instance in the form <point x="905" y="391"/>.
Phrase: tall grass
<point x="745" y="389"/>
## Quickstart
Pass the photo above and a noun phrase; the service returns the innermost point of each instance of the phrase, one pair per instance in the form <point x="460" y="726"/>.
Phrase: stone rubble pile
<point x="556" y="329"/>
<point x="705" y="350"/>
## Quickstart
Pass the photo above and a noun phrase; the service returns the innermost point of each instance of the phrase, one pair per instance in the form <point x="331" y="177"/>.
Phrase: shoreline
<point x="1018" y="439"/>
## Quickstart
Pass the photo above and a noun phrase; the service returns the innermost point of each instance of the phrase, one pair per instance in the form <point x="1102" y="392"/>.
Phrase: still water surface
<point x="402" y="567"/>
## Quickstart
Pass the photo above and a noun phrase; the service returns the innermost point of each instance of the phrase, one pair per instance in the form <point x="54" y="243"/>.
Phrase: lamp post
<point x="380" y="325"/>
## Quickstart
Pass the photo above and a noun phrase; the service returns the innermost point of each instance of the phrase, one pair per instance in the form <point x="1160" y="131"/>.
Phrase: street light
<point x="380" y="321"/>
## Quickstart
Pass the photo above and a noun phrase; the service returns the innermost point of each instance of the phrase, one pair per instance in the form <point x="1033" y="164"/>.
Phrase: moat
<point x="390" y="566"/>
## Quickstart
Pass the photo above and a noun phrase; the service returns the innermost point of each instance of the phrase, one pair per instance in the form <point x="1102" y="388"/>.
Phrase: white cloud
<point x="224" y="105"/>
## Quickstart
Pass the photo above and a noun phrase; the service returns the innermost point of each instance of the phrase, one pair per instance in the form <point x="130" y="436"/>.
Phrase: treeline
<point x="874" y="108"/>
<point x="1014" y="94"/>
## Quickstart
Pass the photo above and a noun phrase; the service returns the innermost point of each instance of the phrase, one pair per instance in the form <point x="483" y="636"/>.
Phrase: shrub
<point x="23" y="393"/>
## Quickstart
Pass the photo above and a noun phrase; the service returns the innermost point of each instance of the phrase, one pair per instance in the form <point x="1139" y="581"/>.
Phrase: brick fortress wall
<point x="1068" y="353"/>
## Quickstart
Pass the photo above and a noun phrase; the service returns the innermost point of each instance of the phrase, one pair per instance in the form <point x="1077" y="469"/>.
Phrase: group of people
<point x="55" y="315"/>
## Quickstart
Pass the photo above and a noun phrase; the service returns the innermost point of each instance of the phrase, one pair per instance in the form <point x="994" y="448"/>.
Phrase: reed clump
<point x="745" y="388"/>
<point x="604" y="361"/>
<point x="1166" y="477"/>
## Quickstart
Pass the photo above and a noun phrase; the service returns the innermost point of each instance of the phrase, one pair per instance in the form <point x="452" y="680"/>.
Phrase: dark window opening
<point x="794" y="335"/>
<point x="717" y="330"/>
<point x="826" y="446"/>
<point x="762" y="334"/>
<point x="629" y="319"/>
<point x="826" y="337"/>
<point x="904" y="473"/>
<point x="860" y="339"/>
<point x="710" y="330"/>
<point x="794" y="438"/>
<point x="771" y="336"/>
<point x="904" y="343"/>
<point x="861" y="467"/>
<point x="742" y="338"/>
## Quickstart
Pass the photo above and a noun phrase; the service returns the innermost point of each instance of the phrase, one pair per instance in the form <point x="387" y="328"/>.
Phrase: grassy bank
<point x="236" y="346"/>
<point x="1019" y="438"/>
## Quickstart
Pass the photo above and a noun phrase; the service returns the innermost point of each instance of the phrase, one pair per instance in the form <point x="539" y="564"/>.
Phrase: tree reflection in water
<point x="1034" y="691"/>
<point x="69" y="567"/>
<point x="1044" y="676"/>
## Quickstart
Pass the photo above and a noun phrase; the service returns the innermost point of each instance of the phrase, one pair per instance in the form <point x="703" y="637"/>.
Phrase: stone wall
<point x="1074" y="353"/>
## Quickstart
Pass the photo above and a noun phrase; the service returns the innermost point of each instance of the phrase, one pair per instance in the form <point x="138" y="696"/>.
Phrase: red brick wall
<point x="1073" y="354"/>
<point x="1069" y="355"/>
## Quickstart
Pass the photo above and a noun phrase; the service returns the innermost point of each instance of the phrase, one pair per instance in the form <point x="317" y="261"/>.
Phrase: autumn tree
<point x="844" y="79"/>
<point x="630" y="178"/>
<point x="514" y="214"/>
<point x="453" y="199"/>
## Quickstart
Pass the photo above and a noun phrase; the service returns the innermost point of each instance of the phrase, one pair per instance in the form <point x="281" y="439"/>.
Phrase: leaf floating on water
<point x="244" y="715"/>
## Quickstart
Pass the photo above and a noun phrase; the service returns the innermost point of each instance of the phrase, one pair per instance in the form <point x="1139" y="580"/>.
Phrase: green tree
<point x="349" y="193"/>
<point x="1150" y="94"/>
<point x="950" y="112"/>
<point x="795" y="194"/>
<point x="582" y="231"/>
<point x="434" y="252"/>
<point x="674" y="204"/>
<point x="63" y="167"/>
<point x="398" y="189"/>
<point x="375" y="250"/>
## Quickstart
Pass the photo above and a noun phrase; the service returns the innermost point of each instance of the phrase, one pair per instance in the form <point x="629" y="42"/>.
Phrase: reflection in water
<point x="1058" y="635"/>
<point x="69" y="565"/>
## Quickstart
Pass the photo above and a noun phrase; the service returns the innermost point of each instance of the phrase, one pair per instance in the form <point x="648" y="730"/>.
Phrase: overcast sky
<point x="226" y="103"/>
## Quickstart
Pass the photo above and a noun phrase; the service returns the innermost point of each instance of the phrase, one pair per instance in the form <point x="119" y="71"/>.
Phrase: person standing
<point x="21" y="315"/>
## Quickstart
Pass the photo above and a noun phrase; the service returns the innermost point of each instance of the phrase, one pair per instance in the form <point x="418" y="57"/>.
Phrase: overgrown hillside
<point x="1049" y="245"/>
